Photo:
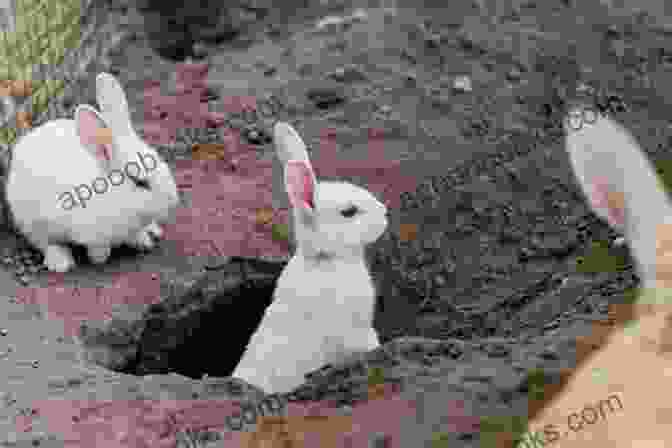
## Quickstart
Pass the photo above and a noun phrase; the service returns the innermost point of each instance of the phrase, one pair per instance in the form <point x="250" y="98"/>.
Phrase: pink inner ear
<point x="299" y="184"/>
<point x="88" y="127"/>
<point x="599" y="199"/>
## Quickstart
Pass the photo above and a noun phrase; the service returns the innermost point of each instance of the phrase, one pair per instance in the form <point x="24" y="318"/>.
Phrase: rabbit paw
<point x="154" y="230"/>
<point x="99" y="254"/>
<point x="144" y="239"/>
<point x="58" y="259"/>
<point x="373" y="342"/>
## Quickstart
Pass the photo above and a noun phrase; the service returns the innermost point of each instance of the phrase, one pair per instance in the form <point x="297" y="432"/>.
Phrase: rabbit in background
<point x="324" y="300"/>
<point x="632" y="362"/>
<point x="63" y="153"/>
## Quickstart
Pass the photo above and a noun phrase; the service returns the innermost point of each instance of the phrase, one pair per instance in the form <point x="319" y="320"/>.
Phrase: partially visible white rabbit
<point x="60" y="155"/>
<point x="324" y="299"/>
<point x="632" y="368"/>
<point x="620" y="184"/>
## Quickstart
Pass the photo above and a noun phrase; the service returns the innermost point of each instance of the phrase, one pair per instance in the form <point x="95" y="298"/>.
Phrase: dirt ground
<point x="449" y="111"/>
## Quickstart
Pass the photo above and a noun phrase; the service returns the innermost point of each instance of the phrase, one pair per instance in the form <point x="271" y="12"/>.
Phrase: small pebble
<point x="257" y="136"/>
<point x="433" y="41"/>
<point x="12" y="438"/>
<point x="462" y="84"/>
<point x="345" y="409"/>
<point x="237" y="123"/>
<point x="584" y="88"/>
<point x="25" y="279"/>
<point x="379" y="440"/>
<point x="200" y="50"/>
<point x="273" y="30"/>
<point x="347" y="74"/>
<point x="514" y="74"/>
<point x="385" y="109"/>
<point x="3" y="332"/>
<point x="612" y="30"/>
<point x="324" y="98"/>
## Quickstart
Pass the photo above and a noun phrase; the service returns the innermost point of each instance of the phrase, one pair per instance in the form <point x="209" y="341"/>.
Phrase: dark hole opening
<point x="208" y="340"/>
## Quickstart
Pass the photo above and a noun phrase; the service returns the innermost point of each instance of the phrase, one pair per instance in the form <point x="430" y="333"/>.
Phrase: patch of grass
<point x="376" y="376"/>
<point x="280" y="231"/>
<point x="600" y="259"/>
<point x="631" y="295"/>
<point x="535" y="384"/>
<point x="663" y="168"/>
<point x="440" y="440"/>
<point x="44" y="30"/>
<point x="502" y="431"/>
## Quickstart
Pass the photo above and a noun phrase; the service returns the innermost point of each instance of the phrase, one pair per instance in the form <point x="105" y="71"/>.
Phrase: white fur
<point x="606" y="153"/>
<point x="323" y="306"/>
<point x="52" y="159"/>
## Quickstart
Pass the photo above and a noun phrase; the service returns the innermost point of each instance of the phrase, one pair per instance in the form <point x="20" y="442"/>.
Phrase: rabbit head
<point x="125" y="146"/>
<point x="622" y="188"/>
<point x="334" y="219"/>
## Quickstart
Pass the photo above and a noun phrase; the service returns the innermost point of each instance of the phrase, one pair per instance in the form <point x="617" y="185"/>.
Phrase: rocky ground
<point x="491" y="271"/>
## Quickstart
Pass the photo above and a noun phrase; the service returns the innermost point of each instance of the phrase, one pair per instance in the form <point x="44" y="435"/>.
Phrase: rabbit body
<point x="622" y="187"/>
<point x="321" y="322"/>
<point x="323" y="304"/>
<point x="34" y="185"/>
<point x="91" y="150"/>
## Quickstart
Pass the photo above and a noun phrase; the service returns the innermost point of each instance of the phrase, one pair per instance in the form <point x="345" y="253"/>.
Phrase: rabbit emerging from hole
<point x="324" y="300"/>
<point x="630" y="371"/>
<point x="61" y="155"/>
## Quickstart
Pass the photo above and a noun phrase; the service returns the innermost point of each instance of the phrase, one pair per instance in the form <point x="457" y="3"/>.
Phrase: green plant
<point x="44" y="31"/>
<point x="279" y="231"/>
<point x="664" y="170"/>
<point x="600" y="258"/>
<point x="495" y="430"/>
<point x="631" y="295"/>
<point x="376" y="376"/>
<point x="535" y="384"/>
<point x="440" y="439"/>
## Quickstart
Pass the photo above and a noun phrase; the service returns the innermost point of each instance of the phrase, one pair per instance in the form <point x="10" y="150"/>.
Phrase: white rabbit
<point x="620" y="184"/>
<point x="622" y="187"/>
<point x="56" y="160"/>
<point x="324" y="299"/>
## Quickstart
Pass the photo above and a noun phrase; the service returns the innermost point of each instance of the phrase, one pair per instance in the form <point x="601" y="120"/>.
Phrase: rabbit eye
<point x="349" y="212"/>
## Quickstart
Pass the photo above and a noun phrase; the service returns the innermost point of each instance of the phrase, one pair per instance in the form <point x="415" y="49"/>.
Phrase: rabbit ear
<point x="93" y="134"/>
<point x="300" y="181"/>
<point x="621" y="185"/>
<point x="607" y="203"/>
<point x="288" y="144"/>
<point x="300" y="185"/>
<point x="113" y="104"/>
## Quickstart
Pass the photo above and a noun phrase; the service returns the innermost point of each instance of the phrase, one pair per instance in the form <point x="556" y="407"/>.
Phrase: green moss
<point x="376" y="376"/>
<point x="536" y="379"/>
<point x="664" y="169"/>
<point x="440" y="440"/>
<point x="279" y="231"/>
<point x="631" y="295"/>
<point x="496" y="429"/>
<point x="600" y="258"/>
<point x="44" y="30"/>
